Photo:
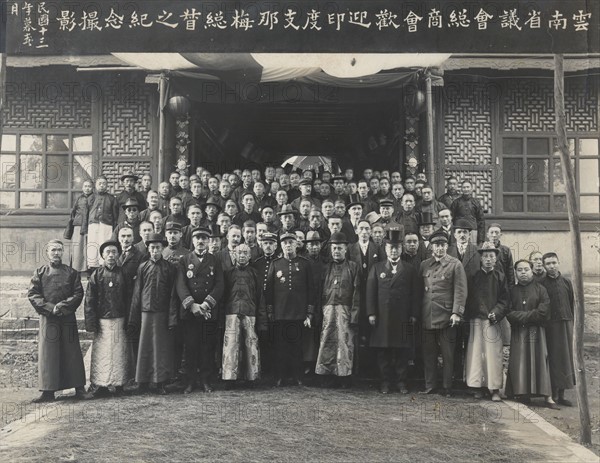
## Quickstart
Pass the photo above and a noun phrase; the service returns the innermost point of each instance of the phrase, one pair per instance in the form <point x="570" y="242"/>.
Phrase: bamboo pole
<point x="430" y="160"/>
<point x="585" y="433"/>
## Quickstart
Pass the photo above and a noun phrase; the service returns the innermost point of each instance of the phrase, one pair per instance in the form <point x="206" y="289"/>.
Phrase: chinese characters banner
<point x="545" y="26"/>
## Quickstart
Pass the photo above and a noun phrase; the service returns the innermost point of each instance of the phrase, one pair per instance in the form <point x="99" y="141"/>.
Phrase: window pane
<point x="57" y="143"/>
<point x="7" y="200"/>
<point x="588" y="147"/>
<point x="590" y="204"/>
<point x="538" y="203"/>
<point x="9" y="142"/>
<point x="560" y="204"/>
<point x="558" y="185"/>
<point x="588" y="176"/>
<point x="513" y="204"/>
<point x="570" y="142"/>
<point x="8" y="171"/>
<point x="31" y="171"/>
<point x="537" y="175"/>
<point x="538" y="146"/>
<point x="512" y="177"/>
<point x="30" y="200"/>
<point x="512" y="145"/>
<point x="82" y="169"/>
<point x="31" y="143"/>
<point x="57" y="200"/>
<point x="82" y="143"/>
<point x="57" y="171"/>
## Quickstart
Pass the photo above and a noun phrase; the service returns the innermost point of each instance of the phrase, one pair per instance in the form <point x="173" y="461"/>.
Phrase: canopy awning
<point x="335" y="69"/>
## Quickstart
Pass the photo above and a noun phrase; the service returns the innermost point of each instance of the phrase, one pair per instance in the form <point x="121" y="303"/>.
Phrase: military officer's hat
<point x="338" y="177"/>
<point x="202" y="231"/>
<point x="173" y="226"/>
<point x="270" y="237"/>
<point x="438" y="236"/>
<point x="288" y="236"/>
<point x="305" y="181"/>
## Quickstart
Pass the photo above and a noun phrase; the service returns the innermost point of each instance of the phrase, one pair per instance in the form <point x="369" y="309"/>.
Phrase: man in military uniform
<point x="200" y="288"/>
<point x="444" y="299"/>
<point x="174" y="249"/>
<point x="386" y="212"/>
<point x="268" y="244"/>
<point x="290" y="298"/>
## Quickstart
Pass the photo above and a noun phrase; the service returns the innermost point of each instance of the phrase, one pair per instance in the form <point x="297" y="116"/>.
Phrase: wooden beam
<point x="162" y="87"/>
<point x="3" y="71"/>
<point x="430" y="134"/>
<point x="585" y="432"/>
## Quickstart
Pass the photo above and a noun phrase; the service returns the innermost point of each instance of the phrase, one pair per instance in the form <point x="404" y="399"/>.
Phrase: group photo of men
<point x="277" y="277"/>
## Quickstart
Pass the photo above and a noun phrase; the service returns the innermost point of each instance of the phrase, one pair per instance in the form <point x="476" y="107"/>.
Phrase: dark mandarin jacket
<point x="106" y="296"/>
<point x="488" y="292"/>
<point x="104" y="209"/>
<point x="55" y="285"/>
<point x="530" y="304"/>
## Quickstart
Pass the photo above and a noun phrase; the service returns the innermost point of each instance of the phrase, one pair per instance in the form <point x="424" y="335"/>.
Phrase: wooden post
<point x="430" y="135"/>
<point x="162" y="88"/>
<point x="3" y="72"/>
<point x="585" y="433"/>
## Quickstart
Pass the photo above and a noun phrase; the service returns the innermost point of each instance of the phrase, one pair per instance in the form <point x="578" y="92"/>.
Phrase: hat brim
<point x="105" y="245"/>
<point x="356" y="203"/>
<point x="219" y="208"/>
<point x="494" y="250"/>
<point x="288" y="213"/>
<point x="163" y="242"/>
<point x="134" y="177"/>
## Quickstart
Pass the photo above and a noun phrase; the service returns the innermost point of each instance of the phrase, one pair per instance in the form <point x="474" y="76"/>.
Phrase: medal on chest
<point x="382" y="275"/>
<point x="110" y="284"/>
<point x="190" y="274"/>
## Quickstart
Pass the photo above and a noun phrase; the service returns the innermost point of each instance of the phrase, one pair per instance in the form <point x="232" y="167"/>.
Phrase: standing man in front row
<point x="55" y="293"/>
<point x="340" y="301"/>
<point x="200" y="288"/>
<point x="393" y="298"/>
<point x="444" y="299"/>
<point x="290" y="299"/>
<point x="150" y="305"/>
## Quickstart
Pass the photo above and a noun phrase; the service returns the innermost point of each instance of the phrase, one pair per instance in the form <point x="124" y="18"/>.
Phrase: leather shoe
<point x="206" y="387"/>
<point x="478" y="395"/>
<point x="446" y="393"/>
<point x="279" y="382"/>
<point x="551" y="405"/>
<point x="188" y="389"/>
<point x="565" y="402"/>
<point x="428" y="390"/>
<point x="298" y="382"/>
<point x="160" y="390"/>
<point x="385" y="388"/>
<point x="496" y="397"/>
<point x="45" y="397"/>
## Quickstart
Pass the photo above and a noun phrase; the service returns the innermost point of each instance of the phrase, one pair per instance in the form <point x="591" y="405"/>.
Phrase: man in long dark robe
<point x="55" y="294"/>
<point x="149" y="314"/>
<point x="393" y="299"/>
<point x="340" y="302"/>
<point x="528" y="366"/>
<point x="487" y="303"/>
<point x="559" y="329"/>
